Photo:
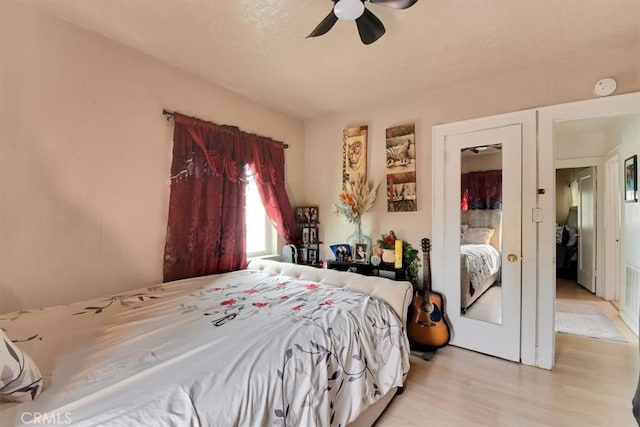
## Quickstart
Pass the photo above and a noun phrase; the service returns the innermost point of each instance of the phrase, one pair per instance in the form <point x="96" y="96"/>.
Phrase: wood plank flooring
<point x="591" y="385"/>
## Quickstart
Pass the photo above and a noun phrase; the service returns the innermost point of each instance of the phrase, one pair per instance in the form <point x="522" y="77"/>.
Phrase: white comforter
<point x="245" y="348"/>
<point x="482" y="261"/>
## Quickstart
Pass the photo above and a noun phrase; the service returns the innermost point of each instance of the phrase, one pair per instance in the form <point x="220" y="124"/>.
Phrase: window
<point x="260" y="232"/>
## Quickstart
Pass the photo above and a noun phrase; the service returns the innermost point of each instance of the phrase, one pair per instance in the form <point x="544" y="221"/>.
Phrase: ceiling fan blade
<point x="324" y="26"/>
<point x="369" y="27"/>
<point x="396" y="4"/>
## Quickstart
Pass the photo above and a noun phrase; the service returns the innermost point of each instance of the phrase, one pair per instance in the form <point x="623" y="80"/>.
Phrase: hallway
<point x="568" y="290"/>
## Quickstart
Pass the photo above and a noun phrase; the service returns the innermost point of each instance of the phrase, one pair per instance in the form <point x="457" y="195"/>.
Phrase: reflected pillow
<point x="478" y="236"/>
<point x="463" y="228"/>
<point x="20" y="378"/>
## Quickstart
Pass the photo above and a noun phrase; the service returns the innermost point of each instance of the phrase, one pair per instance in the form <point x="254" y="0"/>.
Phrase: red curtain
<point x="206" y="231"/>
<point x="481" y="190"/>
<point x="267" y="162"/>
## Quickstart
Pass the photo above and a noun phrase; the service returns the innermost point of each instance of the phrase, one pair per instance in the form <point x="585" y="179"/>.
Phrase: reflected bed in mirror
<point x="480" y="263"/>
<point x="481" y="233"/>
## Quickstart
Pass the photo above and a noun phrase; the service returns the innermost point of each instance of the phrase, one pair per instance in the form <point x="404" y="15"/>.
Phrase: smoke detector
<point x="605" y="87"/>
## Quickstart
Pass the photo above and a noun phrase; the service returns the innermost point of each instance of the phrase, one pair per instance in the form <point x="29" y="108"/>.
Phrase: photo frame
<point x="361" y="253"/>
<point x="312" y="255"/>
<point x="307" y="215"/>
<point x="631" y="179"/>
<point x="342" y="252"/>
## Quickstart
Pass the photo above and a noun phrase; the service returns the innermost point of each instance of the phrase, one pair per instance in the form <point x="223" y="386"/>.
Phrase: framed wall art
<point x="354" y="144"/>
<point x="401" y="168"/>
<point x="631" y="179"/>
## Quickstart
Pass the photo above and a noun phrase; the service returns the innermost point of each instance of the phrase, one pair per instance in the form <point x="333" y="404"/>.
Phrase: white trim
<point x="548" y="116"/>
<point x="598" y="163"/>
<point x="527" y="119"/>
<point x="612" y="190"/>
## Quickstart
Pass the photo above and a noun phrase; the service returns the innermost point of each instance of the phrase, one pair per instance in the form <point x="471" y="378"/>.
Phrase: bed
<point x="480" y="259"/>
<point x="275" y="344"/>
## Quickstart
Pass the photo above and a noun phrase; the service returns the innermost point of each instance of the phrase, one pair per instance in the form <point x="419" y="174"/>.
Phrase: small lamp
<point x="348" y="10"/>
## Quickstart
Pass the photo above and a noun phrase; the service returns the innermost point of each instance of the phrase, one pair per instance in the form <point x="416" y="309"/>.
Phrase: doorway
<point x="578" y="310"/>
<point x="608" y="128"/>
<point x="576" y="225"/>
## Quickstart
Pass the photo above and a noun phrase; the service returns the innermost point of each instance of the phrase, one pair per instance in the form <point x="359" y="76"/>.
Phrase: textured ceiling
<point x="258" y="47"/>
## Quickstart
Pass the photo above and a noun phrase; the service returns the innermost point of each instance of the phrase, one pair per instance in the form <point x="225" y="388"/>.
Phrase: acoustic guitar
<point x="428" y="325"/>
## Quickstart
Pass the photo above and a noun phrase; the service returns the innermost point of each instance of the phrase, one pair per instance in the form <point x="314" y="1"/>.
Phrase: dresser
<point x="368" y="269"/>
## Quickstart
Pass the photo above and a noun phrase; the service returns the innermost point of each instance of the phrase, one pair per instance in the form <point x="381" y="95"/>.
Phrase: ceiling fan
<point x="370" y="27"/>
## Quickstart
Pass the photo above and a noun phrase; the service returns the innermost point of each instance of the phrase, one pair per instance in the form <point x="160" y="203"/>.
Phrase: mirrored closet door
<point x="482" y="245"/>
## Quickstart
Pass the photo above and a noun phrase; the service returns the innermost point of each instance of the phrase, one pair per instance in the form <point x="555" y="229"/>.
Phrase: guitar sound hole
<point x="435" y="315"/>
<point x="427" y="307"/>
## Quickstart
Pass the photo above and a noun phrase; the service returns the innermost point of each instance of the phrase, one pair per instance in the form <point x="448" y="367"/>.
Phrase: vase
<point x="388" y="255"/>
<point x="359" y="239"/>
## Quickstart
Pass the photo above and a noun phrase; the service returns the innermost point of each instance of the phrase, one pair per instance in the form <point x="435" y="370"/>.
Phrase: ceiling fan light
<point x="348" y="10"/>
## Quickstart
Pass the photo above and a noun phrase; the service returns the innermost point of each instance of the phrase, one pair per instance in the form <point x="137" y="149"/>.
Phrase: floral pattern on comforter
<point x="242" y="348"/>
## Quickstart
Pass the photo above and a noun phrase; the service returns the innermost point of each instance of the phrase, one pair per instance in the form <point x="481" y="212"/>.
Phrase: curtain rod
<point x="171" y="114"/>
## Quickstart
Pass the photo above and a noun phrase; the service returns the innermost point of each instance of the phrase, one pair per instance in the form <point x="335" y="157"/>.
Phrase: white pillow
<point x="20" y="378"/>
<point x="478" y="236"/>
<point x="463" y="228"/>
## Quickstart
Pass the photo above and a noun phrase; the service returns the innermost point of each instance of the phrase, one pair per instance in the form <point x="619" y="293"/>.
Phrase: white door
<point x="612" y="230"/>
<point x="587" y="228"/>
<point x="498" y="337"/>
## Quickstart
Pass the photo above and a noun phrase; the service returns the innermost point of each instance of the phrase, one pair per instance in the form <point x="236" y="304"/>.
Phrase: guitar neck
<point x="426" y="262"/>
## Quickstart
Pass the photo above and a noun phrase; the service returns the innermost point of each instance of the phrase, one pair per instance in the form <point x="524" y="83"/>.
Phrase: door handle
<point x="512" y="257"/>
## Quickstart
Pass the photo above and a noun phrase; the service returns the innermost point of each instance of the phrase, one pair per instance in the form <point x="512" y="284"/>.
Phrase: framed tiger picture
<point x="401" y="168"/>
<point x="354" y="163"/>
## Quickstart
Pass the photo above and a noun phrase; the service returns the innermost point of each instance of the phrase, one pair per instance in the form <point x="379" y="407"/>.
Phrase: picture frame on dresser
<point x="308" y="223"/>
<point x="341" y="252"/>
<point x="361" y="253"/>
<point x="312" y="255"/>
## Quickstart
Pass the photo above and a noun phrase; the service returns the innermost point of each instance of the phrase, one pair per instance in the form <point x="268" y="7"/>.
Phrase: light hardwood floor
<point x="591" y="385"/>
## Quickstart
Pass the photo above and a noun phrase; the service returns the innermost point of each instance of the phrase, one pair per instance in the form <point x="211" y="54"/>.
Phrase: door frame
<point x="527" y="119"/>
<point x="612" y="203"/>
<point x="547" y="116"/>
<point x="586" y="162"/>
<point x="500" y="339"/>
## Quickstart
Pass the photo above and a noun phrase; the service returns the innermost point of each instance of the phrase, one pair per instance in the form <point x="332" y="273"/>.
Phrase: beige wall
<point x="85" y="153"/>
<point x="481" y="162"/>
<point x="564" y="179"/>
<point x="85" y="156"/>
<point x="565" y="81"/>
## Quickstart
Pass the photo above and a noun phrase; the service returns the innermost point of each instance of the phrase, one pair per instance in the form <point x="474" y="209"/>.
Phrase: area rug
<point x="587" y="320"/>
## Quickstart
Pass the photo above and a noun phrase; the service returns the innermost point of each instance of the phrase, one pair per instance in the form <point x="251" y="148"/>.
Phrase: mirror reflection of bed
<point x="480" y="263"/>
<point x="481" y="233"/>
